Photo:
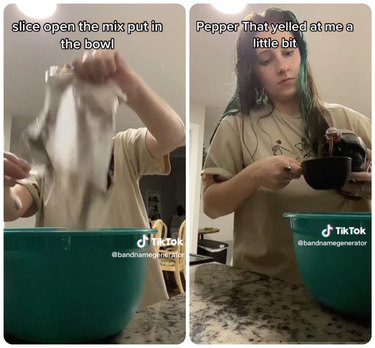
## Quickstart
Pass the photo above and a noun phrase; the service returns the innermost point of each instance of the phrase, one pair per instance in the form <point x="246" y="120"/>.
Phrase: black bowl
<point x="327" y="172"/>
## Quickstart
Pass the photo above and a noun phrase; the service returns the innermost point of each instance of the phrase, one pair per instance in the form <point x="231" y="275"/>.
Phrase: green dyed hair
<point x="250" y="94"/>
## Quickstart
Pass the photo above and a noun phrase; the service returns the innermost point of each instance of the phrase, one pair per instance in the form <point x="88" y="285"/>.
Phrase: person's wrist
<point x="253" y="178"/>
<point x="128" y="82"/>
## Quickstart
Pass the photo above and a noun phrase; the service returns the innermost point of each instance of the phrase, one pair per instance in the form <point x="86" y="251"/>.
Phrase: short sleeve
<point x="133" y="145"/>
<point x="363" y="129"/>
<point x="224" y="156"/>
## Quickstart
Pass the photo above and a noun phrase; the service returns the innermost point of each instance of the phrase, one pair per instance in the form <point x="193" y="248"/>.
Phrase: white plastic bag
<point x="71" y="140"/>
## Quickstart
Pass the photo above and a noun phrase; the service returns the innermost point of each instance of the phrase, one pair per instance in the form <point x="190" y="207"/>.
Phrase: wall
<point x="7" y="131"/>
<point x="196" y="133"/>
<point x="340" y="62"/>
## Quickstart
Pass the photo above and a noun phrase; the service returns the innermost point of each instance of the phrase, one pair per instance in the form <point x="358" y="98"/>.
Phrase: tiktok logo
<point x="142" y="242"/>
<point x="327" y="231"/>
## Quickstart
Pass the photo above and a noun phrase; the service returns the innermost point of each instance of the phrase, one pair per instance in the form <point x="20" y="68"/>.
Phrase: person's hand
<point x="276" y="172"/>
<point x="14" y="169"/>
<point x="359" y="184"/>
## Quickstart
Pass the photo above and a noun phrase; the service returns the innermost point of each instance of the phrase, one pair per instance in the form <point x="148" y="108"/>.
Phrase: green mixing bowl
<point x="333" y="252"/>
<point x="71" y="286"/>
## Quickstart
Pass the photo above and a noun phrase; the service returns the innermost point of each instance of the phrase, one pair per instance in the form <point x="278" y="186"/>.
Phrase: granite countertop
<point x="163" y="322"/>
<point x="231" y="306"/>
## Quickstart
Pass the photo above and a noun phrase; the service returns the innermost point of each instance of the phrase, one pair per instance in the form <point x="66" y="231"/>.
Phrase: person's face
<point x="278" y="68"/>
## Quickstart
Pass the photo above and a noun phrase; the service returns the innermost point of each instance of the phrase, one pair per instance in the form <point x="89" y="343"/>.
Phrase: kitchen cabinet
<point x="229" y="305"/>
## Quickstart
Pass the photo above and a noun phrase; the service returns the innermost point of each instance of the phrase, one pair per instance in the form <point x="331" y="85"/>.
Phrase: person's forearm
<point x="158" y="117"/>
<point x="166" y="130"/>
<point x="224" y="198"/>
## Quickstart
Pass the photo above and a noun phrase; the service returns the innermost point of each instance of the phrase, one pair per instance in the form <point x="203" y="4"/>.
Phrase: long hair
<point x="250" y="95"/>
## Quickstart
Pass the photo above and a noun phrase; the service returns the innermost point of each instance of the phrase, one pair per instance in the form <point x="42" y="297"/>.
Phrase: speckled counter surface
<point x="231" y="306"/>
<point x="161" y="323"/>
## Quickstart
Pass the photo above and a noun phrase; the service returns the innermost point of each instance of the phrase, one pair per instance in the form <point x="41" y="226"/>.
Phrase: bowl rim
<point x="330" y="215"/>
<point x="59" y="231"/>
<point x="326" y="158"/>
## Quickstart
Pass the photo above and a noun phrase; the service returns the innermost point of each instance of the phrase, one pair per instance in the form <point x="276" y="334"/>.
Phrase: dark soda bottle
<point x="342" y="142"/>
